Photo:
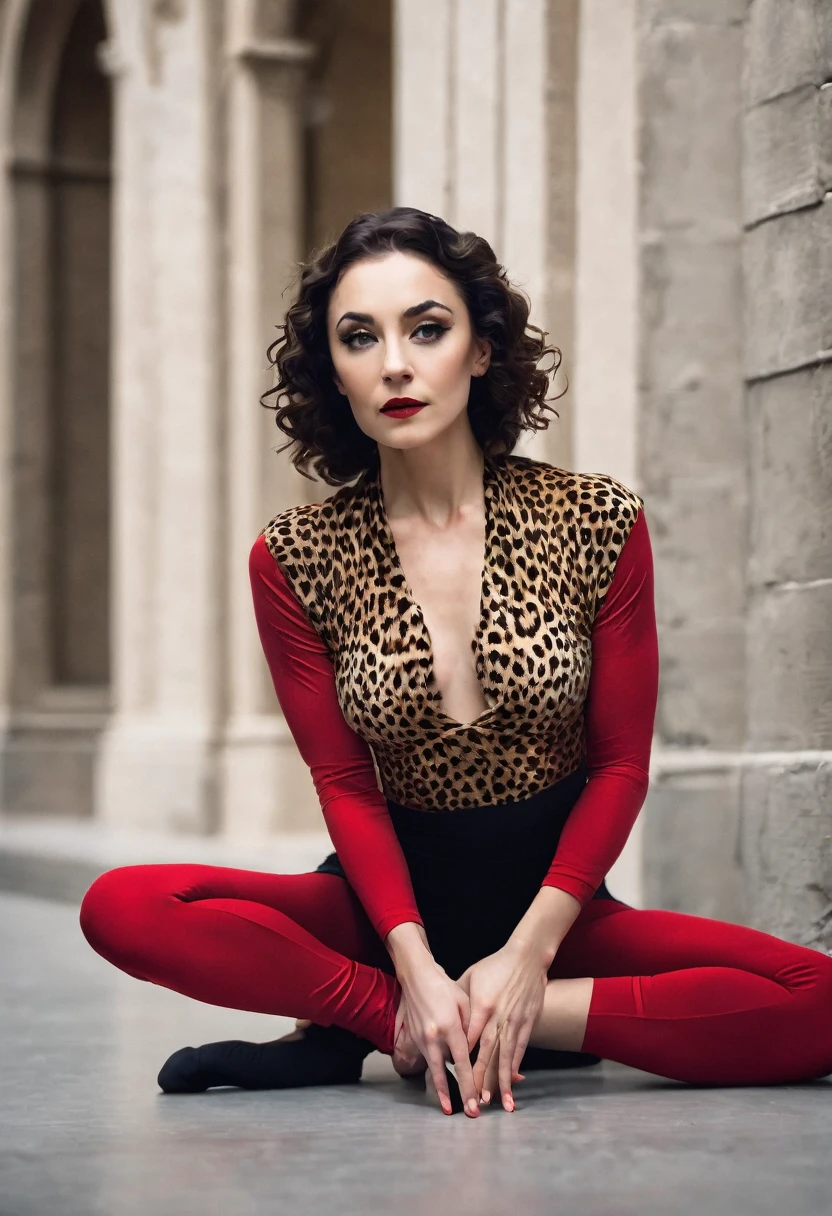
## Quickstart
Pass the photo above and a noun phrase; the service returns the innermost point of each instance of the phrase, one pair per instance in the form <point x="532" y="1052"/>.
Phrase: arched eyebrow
<point x="413" y="311"/>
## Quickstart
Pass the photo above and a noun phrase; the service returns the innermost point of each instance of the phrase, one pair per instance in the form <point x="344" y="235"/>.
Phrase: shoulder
<point x="301" y="534"/>
<point x="594" y="513"/>
<point x="293" y="533"/>
<point x="307" y="542"/>
<point x="589" y="498"/>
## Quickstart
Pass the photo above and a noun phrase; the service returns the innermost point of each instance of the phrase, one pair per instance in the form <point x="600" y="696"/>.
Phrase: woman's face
<point x="379" y="351"/>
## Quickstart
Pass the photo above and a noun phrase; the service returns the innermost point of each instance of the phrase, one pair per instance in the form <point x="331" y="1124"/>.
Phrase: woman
<point x="464" y="914"/>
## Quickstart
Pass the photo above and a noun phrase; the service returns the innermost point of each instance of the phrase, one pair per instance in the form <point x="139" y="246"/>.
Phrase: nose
<point x="396" y="366"/>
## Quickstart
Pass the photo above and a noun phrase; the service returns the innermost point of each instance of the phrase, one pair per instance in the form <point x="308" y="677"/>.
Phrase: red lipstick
<point x="402" y="407"/>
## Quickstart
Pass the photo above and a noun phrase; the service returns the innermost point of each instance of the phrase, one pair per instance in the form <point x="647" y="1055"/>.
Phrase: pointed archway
<point x="58" y="342"/>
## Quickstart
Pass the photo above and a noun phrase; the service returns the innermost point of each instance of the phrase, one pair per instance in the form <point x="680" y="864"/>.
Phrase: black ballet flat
<point x="325" y="1055"/>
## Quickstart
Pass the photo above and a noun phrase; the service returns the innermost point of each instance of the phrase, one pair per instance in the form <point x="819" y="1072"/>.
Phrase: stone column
<point x="157" y="765"/>
<point x="693" y="460"/>
<point x="602" y="401"/>
<point x="606" y="292"/>
<point x="561" y="195"/>
<point x="264" y="784"/>
<point x="787" y="785"/>
<point x="471" y="143"/>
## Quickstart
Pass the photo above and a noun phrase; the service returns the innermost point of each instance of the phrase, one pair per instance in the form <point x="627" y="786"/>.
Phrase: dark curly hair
<point x="509" y="398"/>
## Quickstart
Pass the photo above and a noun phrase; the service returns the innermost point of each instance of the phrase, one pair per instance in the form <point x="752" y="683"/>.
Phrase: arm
<point x="354" y="808"/>
<point x="356" y="814"/>
<point x="619" y="714"/>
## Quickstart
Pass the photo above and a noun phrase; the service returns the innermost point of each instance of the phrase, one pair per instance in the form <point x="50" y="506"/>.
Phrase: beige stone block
<point x="265" y="785"/>
<point x="701" y="552"/>
<point x="48" y="772"/>
<point x="702" y="684"/>
<point x="691" y="837"/>
<point x="600" y="421"/>
<point x="786" y="45"/>
<point x="786" y="847"/>
<point x="788" y="271"/>
<point x="790" y="432"/>
<point x="696" y="12"/>
<point x="690" y="105"/>
<point x="695" y="426"/>
<point x="783" y="153"/>
<point x="691" y="346"/>
<point x="158" y="774"/>
<point x="790" y="667"/>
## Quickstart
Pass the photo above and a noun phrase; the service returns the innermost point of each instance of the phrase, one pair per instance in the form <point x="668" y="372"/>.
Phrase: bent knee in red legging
<point x="123" y="911"/>
<point x="298" y="945"/>
<point x="130" y="911"/>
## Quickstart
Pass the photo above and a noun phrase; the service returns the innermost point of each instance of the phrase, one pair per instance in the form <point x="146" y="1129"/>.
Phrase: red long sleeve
<point x="341" y="763"/>
<point x="619" y="714"/>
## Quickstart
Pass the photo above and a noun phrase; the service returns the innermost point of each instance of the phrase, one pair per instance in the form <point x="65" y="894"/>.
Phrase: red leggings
<point x="681" y="996"/>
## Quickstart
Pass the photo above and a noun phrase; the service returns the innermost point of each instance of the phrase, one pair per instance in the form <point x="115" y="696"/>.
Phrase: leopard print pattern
<point x="552" y="541"/>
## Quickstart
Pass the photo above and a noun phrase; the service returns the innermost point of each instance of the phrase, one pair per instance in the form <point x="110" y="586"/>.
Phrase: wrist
<point x="532" y="949"/>
<point x="407" y="945"/>
<point x="545" y="924"/>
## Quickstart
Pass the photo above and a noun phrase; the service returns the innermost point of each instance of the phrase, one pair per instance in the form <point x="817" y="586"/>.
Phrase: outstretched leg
<point x="690" y="998"/>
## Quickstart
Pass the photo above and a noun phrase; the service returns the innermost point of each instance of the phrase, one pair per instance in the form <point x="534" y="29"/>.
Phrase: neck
<point x="433" y="483"/>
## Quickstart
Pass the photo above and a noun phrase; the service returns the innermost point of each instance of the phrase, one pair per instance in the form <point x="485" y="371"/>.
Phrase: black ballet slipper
<point x="544" y="1057"/>
<point x="325" y="1055"/>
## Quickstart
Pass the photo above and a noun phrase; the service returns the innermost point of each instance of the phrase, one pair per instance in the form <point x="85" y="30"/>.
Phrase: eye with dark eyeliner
<point x="437" y="329"/>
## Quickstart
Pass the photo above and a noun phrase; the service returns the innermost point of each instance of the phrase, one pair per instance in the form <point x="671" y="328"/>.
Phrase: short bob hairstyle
<point x="509" y="398"/>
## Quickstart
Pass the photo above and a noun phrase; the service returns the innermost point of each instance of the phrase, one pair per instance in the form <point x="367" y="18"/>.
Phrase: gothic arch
<point x="55" y="113"/>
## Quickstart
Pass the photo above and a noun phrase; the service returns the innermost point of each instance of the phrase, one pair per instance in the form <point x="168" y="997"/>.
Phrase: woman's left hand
<point x="506" y="991"/>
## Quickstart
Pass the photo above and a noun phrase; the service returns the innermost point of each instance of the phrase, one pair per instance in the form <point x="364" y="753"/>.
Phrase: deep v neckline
<point x="489" y="494"/>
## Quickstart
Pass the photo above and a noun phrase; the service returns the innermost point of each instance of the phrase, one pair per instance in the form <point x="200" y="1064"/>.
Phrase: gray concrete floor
<point x="85" y="1130"/>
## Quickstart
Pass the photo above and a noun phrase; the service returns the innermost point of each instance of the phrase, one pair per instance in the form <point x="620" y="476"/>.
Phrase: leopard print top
<point x="552" y="541"/>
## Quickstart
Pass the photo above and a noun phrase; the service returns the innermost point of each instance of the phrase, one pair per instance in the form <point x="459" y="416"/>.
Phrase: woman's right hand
<point x="434" y="1012"/>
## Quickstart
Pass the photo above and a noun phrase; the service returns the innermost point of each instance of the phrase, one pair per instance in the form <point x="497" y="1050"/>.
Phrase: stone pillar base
<point x="47" y="762"/>
<point x="786" y="841"/>
<point x="691" y="830"/>
<point x="265" y="785"/>
<point x="159" y="774"/>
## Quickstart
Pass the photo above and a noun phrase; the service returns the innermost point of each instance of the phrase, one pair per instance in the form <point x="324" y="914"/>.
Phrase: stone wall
<point x="737" y="455"/>
<point x="693" y="442"/>
<point x="787" y="215"/>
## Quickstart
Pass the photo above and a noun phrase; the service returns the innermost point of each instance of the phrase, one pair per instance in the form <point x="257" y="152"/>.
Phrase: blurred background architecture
<point x="656" y="174"/>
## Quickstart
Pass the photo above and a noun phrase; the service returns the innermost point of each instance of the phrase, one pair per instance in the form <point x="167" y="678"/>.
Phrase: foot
<point x="408" y="1060"/>
<point x="545" y="1057"/>
<point x="308" y="1055"/>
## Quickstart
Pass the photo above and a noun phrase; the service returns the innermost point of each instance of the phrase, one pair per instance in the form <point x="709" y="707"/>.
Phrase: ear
<point x="337" y="379"/>
<point x="483" y="357"/>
